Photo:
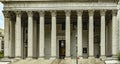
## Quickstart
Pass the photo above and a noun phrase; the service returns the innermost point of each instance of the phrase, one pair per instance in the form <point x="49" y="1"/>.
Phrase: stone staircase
<point x="59" y="61"/>
<point x="91" y="61"/>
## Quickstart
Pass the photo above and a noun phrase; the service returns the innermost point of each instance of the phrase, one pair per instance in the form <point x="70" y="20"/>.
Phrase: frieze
<point x="24" y="6"/>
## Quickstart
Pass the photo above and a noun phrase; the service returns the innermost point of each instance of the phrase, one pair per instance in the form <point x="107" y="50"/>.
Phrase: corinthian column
<point x="6" y="32"/>
<point x="67" y="33"/>
<point x="53" y="34"/>
<point x="79" y="32"/>
<point x="102" y="39"/>
<point x="91" y="33"/>
<point x="30" y="34"/>
<point x="18" y="38"/>
<point x="41" y="35"/>
<point x="114" y="33"/>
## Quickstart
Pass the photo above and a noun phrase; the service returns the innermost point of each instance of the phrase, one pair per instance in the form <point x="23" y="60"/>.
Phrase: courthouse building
<point x="53" y="28"/>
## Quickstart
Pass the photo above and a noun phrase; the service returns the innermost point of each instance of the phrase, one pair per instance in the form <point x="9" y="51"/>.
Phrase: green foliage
<point x="118" y="56"/>
<point x="1" y="54"/>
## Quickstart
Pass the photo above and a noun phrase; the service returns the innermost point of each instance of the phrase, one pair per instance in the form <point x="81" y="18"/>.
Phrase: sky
<point x="1" y="16"/>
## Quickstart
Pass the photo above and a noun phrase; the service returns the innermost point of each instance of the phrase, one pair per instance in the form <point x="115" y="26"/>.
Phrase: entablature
<point x="66" y="0"/>
<point x="58" y="6"/>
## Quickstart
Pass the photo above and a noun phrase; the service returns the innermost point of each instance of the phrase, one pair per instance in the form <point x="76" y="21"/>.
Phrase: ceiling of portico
<point x="67" y="0"/>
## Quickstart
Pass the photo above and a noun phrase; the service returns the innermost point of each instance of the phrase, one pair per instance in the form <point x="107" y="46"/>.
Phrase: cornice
<point x="59" y="0"/>
<point x="25" y="6"/>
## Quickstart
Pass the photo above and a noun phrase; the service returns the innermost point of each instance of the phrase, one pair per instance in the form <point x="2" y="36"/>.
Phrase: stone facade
<point x="56" y="29"/>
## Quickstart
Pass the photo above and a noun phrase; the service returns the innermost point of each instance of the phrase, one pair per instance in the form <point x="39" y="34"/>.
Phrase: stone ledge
<point x="112" y="61"/>
<point x="62" y="0"/>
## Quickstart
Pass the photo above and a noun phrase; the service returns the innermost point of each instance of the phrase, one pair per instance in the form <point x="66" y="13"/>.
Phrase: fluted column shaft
<point x="102" y="39"/>
<point x="53" y="34"/>
<point x="6" y="32"/>
<point x="67" y="33"/>
<point x="91" y="33"/>
<point x="18" y="39"/>
<point x="114" y="33"/>
<point x="30" y="34"/>
<point x="79" y="33"/>
<point x="41" y="35"/>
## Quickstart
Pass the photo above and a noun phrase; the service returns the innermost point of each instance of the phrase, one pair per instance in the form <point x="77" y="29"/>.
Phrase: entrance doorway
<point x="25" y="43"/>
<point x="62" y="49"/>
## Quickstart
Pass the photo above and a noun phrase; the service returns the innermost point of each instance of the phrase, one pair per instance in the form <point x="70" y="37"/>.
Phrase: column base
<point x="80" y="57"/>
<point x="114" y="56"/>
<point x="91" y="57"/>
<point x="19" y="57"/>
<point x="103" y="57"/>
<point x="53" y="57"/>
<point x="41" y="58"/>
<point x="29" y="58"/>
<point x="67" y="57"/>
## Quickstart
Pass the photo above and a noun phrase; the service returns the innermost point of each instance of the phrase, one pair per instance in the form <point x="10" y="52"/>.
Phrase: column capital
<point x="41" y="13"/>
<point x="18" y="13"/>
<point x="91" y="12"/>
<point x="102" y="12"/>
<point x="53" y="13"/>
<point x="114" y="12"/>
<point x="67" y="12"/>
<point x="79" y="12"/>
<point x="30" y="13"/>
<point x="6" y="14"/>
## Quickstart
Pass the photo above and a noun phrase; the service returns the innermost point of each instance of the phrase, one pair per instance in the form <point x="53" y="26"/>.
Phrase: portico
<point x="37" y="31"/>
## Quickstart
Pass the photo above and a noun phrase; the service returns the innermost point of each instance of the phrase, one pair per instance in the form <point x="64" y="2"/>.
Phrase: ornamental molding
<point x="102" y="12"/>
<point x="61" y="0"/>
<point x="25" y="6"/>
<point x="79" y="12"/>
<point x="41" y="13"/>
<point x="53" y="13"/>
<point x="30" y="13"/>
<point x="91" y="12"/>
<point x="6" y="14"/>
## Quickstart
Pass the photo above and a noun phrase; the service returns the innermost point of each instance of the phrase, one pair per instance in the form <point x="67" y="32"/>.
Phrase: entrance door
<point x="61" y="49"/>
<point x="25" y="43"/>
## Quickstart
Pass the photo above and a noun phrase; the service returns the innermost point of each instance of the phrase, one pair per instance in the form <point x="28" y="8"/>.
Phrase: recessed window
<point x="84" y="50"/>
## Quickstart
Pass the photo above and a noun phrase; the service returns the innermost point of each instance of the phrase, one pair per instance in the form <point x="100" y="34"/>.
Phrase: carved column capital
<point x="67" y="12"/>
<point x="6" y="14"/>
<point x="102" y="12"/>
<point x="30" y="13"/>
<point x="91" y="12"/>
<point x="41" y="13"/>
<point x="53" y="13"/>
<point x="18" y="13"/>
<point x="79" y="12"/>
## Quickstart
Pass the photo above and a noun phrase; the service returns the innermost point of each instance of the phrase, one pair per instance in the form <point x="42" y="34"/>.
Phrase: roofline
<point x="51" y="1"/>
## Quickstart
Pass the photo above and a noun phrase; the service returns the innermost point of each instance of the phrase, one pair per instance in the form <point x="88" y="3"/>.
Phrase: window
<point x="84" y="50"/>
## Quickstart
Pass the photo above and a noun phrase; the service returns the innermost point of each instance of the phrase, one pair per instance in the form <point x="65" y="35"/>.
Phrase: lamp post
<point x="76" y="51"/>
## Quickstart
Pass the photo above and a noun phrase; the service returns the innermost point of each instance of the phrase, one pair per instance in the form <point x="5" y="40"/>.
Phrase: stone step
<point x="59" y="61"/>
